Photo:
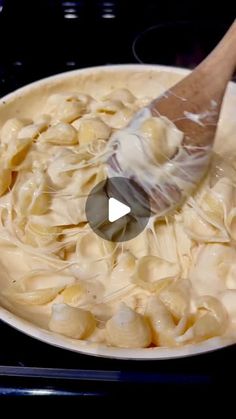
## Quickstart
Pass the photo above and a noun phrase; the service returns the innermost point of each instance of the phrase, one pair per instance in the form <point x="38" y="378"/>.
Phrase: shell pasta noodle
<point x="172" y="286"/>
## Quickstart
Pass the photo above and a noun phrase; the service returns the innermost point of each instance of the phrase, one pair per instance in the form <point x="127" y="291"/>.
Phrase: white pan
<point x="140" y="79"/>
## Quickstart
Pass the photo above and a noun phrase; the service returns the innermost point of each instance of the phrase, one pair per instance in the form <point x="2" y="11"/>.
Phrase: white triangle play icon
<point x="116" y="209"/>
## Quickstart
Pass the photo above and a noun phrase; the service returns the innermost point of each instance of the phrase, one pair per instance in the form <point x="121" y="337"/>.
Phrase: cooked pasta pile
<point x="174" y="284"/>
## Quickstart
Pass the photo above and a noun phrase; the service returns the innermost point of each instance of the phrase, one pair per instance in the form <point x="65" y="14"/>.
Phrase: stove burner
<point x="180" y="44"/>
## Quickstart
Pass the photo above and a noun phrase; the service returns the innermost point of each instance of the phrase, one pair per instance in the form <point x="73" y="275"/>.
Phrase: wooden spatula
<point x="193" y="105"/>
<point x="201" y="93"/>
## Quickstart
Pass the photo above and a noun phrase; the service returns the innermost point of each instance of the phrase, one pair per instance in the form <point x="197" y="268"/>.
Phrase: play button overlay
<point x="117" y="209"/>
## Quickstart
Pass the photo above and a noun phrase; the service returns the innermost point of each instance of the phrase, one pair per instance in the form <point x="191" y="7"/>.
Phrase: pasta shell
<point x="231" y="223"/>
<point x="40" y="234"/>
<point x="164" y="244"/>
<point x="128" y="329"/>
<point x="122" y="95"/>
<point x="92" y="247"/>
<point x="60" y="134"/>
<point x="228" y="274"/>
<point x="151" y="269"/>
<point x="65" y="108"/>
<point x="162" y="137"/>
<point x="214" y="306"/>
<point x="43" y="120"/>
<point x="119" y="282"/>
<point x="4" y="217"/>
<point x="113" y="113"/>
<point x="206" y="327"/>
<point x="55" y="98"/>
<point x="139" y="246"/>
<point x="211" y="320"/>
<point x="72" y="322"/>
<point x="217" y="200"/>
<point x="31" y="196"/>
<point x="211" y="209"/>
<point x="161" y="322"/>
<point x="125" y="263"/>
<point x="93" y="129"/>
<point x="11" y="128"/>
<point x="72" y="294"/>
<point x="92" y="251"/>
<point x="218" y="258"/>
<point x="108" y="107"/>
<point x="33" y="130"/>
<point x="62" y="167"/>
<point x="176" y="298"/>
<point x="42" y="278"/>
<point x="83" y="180"/>
<point x="228" y="299"/>
<point x="223" y="166"/>
<point x="35" y="297"/>
<point x="136" y="299"/>
<point x="119" y="119"/>
<point x="98" y="336"/>
<point x="102" y="312"/>
<point x="184" y="247"/>
<point x="200" y="229"/>
<point x="5" y="179"/>
<point x="67" y="112"/>
<point x="16" y="152"/>
<point x="64" y="211"/>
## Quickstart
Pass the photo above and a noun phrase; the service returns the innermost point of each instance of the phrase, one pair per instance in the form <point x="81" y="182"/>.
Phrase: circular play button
<point x="117" y="209"/>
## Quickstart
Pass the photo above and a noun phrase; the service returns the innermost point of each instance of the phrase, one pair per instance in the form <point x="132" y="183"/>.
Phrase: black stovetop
<point x="51" y="36"/>
<point x="41" y="38"/>
<point x="30" y="367"/>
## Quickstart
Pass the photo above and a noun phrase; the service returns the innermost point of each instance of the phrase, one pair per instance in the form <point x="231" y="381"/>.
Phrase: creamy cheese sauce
<point x="173" y="284"/>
